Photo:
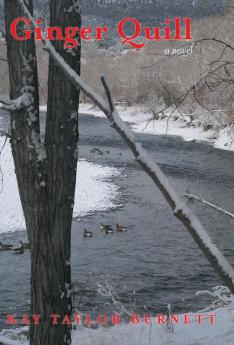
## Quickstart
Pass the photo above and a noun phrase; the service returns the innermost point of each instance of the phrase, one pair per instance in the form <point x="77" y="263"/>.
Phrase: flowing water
<point x="156" y="261"/>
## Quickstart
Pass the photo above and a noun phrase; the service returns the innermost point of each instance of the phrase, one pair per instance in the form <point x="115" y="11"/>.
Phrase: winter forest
<point x="116" y="172"/>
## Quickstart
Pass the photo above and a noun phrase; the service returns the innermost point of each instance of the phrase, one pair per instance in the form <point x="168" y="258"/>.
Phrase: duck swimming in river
<point x="4" y="247"/>
<point x="87" y="233"/>
<point x="19" y="250"/>
<point x="120" y="228"/>
<point x="105" y="227"/>
<point x="109" y="231"/>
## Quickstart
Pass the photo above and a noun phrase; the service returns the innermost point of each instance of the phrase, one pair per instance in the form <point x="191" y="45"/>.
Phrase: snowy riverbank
<point x="94" y="191"/>
<point x="220" y="333"/>
<point x="174" y="125"/>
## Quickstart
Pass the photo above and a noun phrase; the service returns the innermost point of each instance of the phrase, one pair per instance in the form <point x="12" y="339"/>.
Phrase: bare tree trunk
<point x="46" y="172"/>
<point x="61" y="148"/>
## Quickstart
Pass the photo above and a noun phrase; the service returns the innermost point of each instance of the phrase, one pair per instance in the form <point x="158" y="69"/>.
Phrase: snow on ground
<point x="221" y="333"/>
<point x="225" y="139"/>
<point x="94" y="191"/>
<point x="218" y="334"/>
<point x="176" y="126"/>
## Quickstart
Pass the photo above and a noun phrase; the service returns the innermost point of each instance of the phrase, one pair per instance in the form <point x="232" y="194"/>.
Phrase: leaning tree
<point x="45" y="169"/>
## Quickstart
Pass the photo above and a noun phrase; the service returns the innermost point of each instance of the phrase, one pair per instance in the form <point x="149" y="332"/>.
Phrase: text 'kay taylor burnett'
<point x="115" y="319"/>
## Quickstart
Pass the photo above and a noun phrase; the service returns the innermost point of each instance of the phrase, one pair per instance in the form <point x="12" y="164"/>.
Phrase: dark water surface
<point x="156" y="261"/>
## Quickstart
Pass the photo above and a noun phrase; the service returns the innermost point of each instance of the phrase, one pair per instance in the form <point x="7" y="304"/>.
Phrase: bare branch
<point x="228" y="45"/>
<point x="179" y="101"/>
<point x="107" y="90"/>
<point x="207" y="203"/>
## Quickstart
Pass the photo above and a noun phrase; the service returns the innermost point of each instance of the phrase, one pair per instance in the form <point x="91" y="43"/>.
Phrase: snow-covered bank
<point x="174" y="125"/>
<point x="94" y="191"/>
<point x="194" y="334"/>
<point x="221" y="333"/>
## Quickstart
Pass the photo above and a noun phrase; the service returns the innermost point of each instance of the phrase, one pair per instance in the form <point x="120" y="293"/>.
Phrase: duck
<point x="19" y="250"/>
<point x="105" y="227"/>
<point x="109" y="231"/>
<point x="120" y="228"/>
<point x="87" y="233"/>
<point x="96" y="150"/>
<point x="5" y="246"/>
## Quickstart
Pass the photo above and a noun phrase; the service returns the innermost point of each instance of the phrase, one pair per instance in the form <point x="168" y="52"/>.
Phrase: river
<point x="156" y="261"/>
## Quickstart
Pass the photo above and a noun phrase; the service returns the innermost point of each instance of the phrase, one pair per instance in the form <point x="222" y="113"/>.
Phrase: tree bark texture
<point x="46" y="171"/>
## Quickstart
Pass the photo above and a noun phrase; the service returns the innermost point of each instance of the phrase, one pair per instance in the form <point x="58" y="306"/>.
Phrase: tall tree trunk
<point x="46" y="172"/>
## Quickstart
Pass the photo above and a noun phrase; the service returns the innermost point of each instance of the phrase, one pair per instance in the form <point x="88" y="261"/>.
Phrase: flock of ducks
<point x="19" y="250"/>
<point x="106" y="228"/>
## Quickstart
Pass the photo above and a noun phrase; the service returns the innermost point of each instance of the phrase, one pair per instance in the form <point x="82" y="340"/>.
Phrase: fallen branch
<point x="207" y="203"/>
<point x="180" y="210"/>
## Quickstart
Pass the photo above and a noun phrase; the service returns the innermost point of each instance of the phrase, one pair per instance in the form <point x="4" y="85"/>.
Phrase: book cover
<point x="116" y="172"/>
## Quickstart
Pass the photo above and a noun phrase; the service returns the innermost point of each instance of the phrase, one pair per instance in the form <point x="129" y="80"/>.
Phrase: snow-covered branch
<point x="221" y="293"/>
<point x="107" y="290"/>
<point x="16" y="104"/>
<point x="5" y="100"/>
<point x="180" y="209"/>
<point x="207" y="203"/>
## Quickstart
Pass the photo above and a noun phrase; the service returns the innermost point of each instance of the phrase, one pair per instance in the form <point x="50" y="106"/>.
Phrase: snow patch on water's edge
<point x="94" y="191"/>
